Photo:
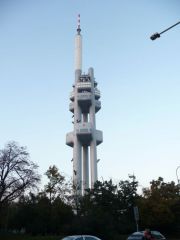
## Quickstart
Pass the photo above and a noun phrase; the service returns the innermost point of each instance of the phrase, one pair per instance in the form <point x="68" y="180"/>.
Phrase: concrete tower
<point x="84" y="138"/>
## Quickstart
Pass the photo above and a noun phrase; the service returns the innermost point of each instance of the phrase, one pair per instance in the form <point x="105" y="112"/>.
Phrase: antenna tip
<point x="78" y="24"/>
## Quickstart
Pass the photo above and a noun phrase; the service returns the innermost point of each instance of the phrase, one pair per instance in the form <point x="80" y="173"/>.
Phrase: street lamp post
<point x="157" y="35"/>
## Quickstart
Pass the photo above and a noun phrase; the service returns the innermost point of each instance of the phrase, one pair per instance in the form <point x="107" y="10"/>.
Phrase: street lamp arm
<point x="157" y="35"/>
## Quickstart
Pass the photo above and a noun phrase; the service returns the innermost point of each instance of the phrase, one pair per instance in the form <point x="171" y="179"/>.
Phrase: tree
<point x="56" y="187"/>
<point x="35" y="214"/>
<point x="109" y="205"/>
<point x="127" y="195"/>
<point x="158" y="204"/>
<point x="98" y="208"/>
<point x="128" y="192"/>
<point x="17" y="172"/>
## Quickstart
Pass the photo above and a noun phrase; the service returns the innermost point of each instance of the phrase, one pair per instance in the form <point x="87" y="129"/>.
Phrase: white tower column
<point x="93" y="156"/>
<point x="85" y="168"/>
<point x="85" y="160"/>
<point x="77" y="163"/>
<point x="77" y="150"/>
<point x="93" y="149"/>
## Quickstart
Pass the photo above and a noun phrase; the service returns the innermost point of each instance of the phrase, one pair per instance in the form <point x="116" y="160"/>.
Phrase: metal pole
<point x="170" y="28"/>
<point x="137" y="226"/>
<point x="157" y="35"/>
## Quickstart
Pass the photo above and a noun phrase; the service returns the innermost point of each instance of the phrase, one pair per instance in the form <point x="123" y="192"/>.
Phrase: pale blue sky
<point x="139" y="81"/>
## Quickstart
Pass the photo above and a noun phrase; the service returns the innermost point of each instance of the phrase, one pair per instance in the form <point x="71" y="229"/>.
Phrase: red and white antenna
<point x="78" y="24"/>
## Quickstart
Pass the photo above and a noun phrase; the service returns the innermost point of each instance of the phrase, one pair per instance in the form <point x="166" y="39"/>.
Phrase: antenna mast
<point x="78" y="24"/>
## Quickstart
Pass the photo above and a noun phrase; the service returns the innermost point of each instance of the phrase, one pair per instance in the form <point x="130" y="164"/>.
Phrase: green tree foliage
<point x="61" y="217"/>
<point x="127" y="196"/>
<point x="158" y="204"/>
<point x="56" y="187"/>
<point x="37" y="215"/>
<point x="109" y="205"/>
<point x="127" y="192"/>
<point x="105" y="211"/>
<point x="97" y="209"/>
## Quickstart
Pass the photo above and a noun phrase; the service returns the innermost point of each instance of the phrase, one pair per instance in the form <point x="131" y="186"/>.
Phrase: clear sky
<point x="139" y="80"/>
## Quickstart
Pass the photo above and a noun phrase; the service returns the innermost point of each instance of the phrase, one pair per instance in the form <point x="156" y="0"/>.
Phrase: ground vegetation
<point x="106" y="211"/>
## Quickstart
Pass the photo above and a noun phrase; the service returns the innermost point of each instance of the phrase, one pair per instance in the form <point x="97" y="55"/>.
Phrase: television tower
<point x="84" y="138"/>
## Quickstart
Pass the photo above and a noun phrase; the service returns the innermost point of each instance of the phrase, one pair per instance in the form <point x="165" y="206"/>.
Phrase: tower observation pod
<point x="85" y="137"/>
